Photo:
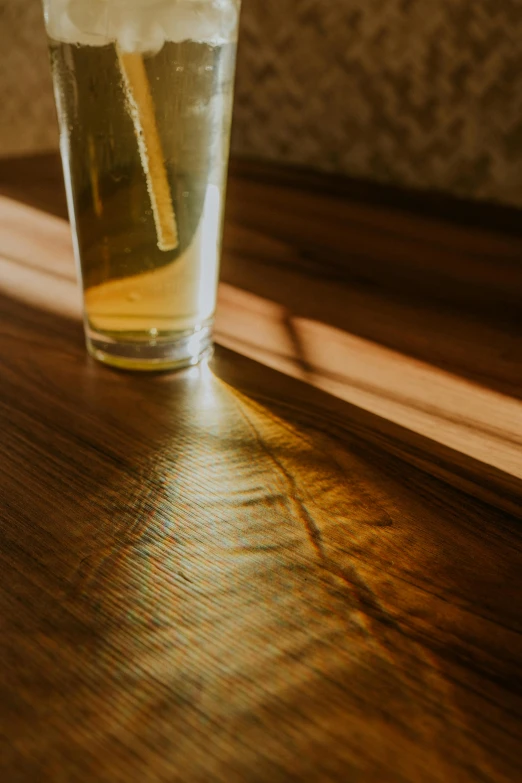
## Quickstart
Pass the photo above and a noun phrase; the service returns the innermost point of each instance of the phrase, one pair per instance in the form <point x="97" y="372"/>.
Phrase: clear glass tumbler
<point x="144" y="98"/>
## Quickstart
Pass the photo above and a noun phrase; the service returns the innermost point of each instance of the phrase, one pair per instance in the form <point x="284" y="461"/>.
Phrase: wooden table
<point x="300" y="564"/>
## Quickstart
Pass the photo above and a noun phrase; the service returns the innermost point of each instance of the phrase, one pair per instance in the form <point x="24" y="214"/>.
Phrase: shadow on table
<point x="204" y="567"/>
<point x="331" y="293"/>
<point x="441" y="293"/>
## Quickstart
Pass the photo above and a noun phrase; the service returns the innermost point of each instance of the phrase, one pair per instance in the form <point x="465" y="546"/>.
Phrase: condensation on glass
<point x="144" y="95"/>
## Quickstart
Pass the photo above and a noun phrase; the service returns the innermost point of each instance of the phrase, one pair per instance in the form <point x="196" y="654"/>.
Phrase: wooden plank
<point x="450" y="372"/>
<point x="230" y="574"/>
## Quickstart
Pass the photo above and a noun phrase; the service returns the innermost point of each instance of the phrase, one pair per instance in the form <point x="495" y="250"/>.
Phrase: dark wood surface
<point x="302" y="563"/>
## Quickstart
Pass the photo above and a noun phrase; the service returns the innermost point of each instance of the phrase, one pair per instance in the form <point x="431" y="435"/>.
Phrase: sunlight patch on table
<point x="36" y="260"/>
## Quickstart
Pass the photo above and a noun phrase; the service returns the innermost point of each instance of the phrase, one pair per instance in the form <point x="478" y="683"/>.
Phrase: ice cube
<point x="92" y="18"/>
<point x="141" y="25"/>
<point x="211" y="21"/>
<point x="74" y="21"/>
<point x="137" y="34"/>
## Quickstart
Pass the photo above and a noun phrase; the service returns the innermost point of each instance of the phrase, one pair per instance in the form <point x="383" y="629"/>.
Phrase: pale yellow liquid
<point x="135" y="291"/>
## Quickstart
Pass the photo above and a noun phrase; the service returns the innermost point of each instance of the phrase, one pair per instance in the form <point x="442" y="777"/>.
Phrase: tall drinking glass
<point x="144" y="95"/>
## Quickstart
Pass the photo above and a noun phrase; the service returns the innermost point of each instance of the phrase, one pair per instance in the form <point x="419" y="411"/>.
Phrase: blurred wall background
<point x="421" y="93"/>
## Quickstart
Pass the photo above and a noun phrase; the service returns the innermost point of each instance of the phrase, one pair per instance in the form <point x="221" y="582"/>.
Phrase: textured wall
<point x="27" y="118"/>
<point x="426" y="93"/>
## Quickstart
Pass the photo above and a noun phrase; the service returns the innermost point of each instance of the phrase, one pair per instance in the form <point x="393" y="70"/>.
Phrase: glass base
<point x="174" y="352"/>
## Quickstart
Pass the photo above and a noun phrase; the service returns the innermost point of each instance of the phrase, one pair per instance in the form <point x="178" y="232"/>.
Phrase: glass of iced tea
<point x="144" y="96"/>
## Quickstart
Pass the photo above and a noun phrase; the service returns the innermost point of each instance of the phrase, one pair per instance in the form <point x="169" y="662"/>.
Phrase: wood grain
<point x="231" y="574"/>
<point x="412" y="318"/>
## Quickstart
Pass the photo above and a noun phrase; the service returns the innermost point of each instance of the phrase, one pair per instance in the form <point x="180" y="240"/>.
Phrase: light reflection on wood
<point x="36" y="266"/>
<point x="474" y="420"/>
<point x="227" y="573"/>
